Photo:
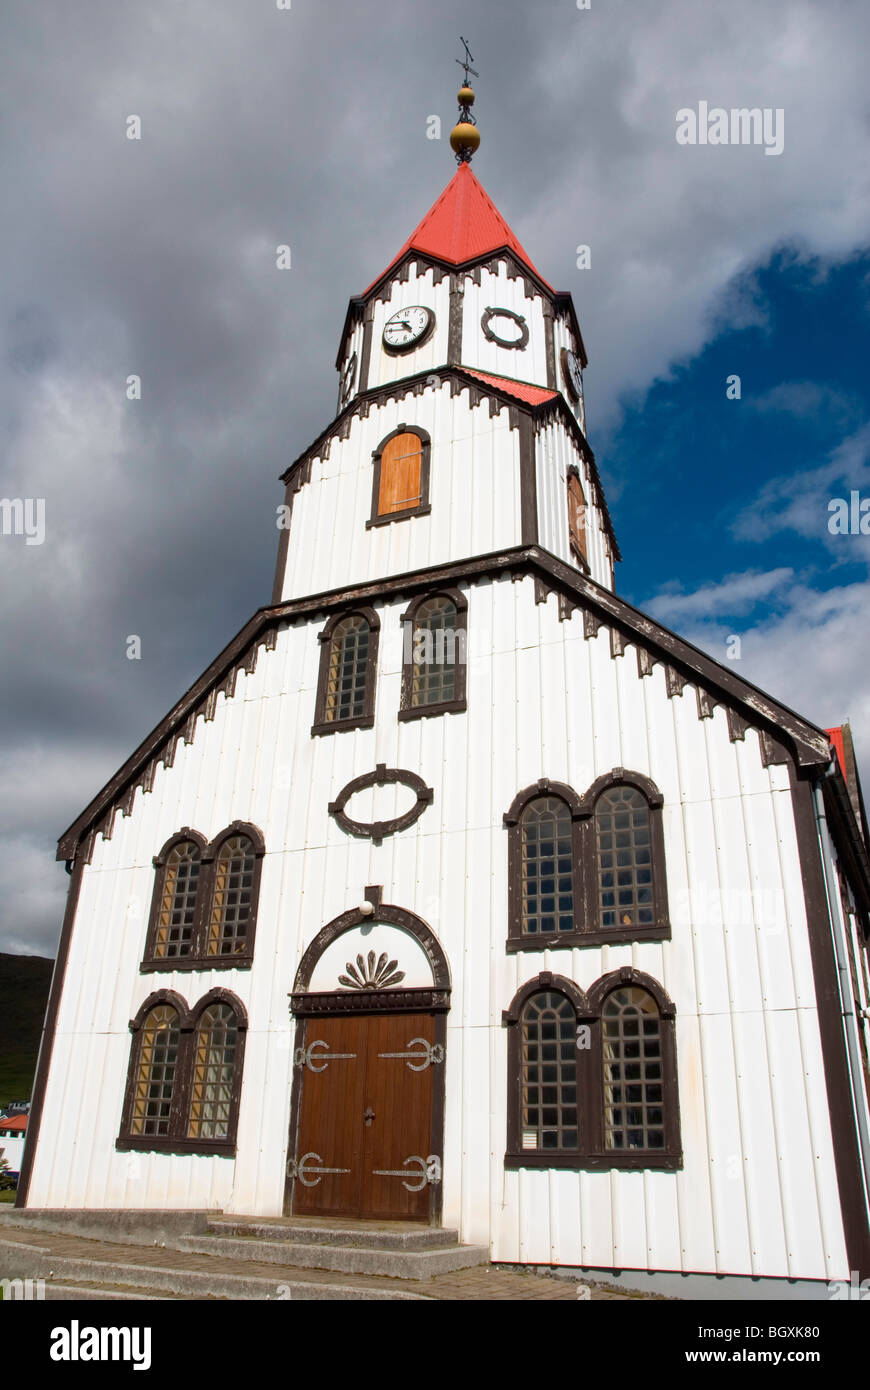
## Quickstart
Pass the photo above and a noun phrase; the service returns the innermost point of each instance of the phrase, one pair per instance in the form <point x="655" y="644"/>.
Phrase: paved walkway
<point x="486" y="1282"/>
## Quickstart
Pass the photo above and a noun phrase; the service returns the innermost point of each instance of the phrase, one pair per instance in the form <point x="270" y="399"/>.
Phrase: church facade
<point x="457" y="890"/>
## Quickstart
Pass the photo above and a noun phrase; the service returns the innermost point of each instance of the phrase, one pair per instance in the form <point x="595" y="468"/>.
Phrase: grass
<point x="24" y="983"/>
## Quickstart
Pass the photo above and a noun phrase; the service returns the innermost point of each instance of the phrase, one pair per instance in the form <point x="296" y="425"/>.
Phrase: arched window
<point x="548" y="1086"/>
<point x="156" y="1072"/>
<point x="177" y="912"/>
<point x="233" y="897"/>
<point x="204" y="908"/>
<point x="346" y="690"/>
<point x="592" y="1078"/>
<point x="624" y="860"/>
<point x="185" y="1075"/>
<point x="624" y="857"/>
<point x="401" y="476"/>
<point x="216" y="1045"/>
<point x="434" y="655"/>
<point x="545" y="885"/>
<point x="634" y="1115"/>
<point x="577" y="518"/>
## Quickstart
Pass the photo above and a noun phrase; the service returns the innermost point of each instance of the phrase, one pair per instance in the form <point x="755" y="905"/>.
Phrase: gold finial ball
<point x="466" y="96"/>
<point x="464" y="138"/>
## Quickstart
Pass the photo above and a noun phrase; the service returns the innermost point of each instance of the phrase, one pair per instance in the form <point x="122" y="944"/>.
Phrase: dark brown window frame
<point x="197" y="959"/>
<point x="660" y="929"/>
<point x="423" y="507"/>
<point x="366" y="720"/>
<point x="576" y="550"/>
<point x="176" y="1141"/>
<point x="585" y="866"/>
<point x="458" y="704"/>
<point x="588" y="1006"/>
<point x="518" y="940"/>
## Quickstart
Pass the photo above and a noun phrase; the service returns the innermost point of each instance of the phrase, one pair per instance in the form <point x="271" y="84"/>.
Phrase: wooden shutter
<point x="577" y="515"/>
<point x="401" y="474"/>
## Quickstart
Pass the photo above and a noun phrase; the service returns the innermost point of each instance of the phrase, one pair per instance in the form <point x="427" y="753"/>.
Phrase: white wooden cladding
<point x="758" y="1193"/>
<point x="474" y="492"/>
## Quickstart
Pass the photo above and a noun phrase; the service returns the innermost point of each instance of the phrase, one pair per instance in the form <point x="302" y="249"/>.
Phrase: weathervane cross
<point x="467" y="61"/>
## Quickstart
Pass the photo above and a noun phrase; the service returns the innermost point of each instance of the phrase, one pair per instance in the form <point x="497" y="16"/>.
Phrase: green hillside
<point x="24" y="984"/>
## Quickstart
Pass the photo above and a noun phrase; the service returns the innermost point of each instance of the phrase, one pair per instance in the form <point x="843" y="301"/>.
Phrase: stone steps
<point x="160" y="1277"/>
<point x="336" y="1254"/>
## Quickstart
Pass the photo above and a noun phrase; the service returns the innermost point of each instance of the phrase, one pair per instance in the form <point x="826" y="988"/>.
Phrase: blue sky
<point x="721" y="504"/>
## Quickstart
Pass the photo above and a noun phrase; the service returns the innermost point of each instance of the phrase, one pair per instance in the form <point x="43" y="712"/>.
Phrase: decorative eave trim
<point x="517" y="269"/>
<point x="563" y="303"/>
<point x="355" y="314"/>
<point x="788" y="735"/>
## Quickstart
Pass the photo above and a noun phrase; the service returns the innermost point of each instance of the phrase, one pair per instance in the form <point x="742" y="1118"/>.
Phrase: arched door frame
<point x="434" y="999"/>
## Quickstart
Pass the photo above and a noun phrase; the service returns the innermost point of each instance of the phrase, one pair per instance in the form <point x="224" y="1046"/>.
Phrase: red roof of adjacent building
<point x="532" y="395"/>
<point x="14" y="1122"/>
<point x="836" y="737"/>
<point x="462" y="225"/>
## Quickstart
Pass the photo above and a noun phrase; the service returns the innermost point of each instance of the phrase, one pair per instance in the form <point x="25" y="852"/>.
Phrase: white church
<point x="457" y="890"/>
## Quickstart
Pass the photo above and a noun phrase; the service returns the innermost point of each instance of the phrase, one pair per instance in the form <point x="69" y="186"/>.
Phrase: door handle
<point x="368" y="1115"/>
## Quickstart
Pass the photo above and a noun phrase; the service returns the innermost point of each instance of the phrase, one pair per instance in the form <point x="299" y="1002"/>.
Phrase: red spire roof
<point x="463" y="225"/>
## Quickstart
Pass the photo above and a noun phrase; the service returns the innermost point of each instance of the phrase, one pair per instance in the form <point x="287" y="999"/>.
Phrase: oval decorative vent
<point x="382" y="776"/>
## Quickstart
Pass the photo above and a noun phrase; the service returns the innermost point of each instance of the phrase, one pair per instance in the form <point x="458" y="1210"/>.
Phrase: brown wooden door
<point x="366" y="1106"/>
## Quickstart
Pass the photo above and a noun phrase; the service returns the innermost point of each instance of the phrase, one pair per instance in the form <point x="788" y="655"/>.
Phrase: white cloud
<point x="799" y="501"/>
<point x="733" y="595"/>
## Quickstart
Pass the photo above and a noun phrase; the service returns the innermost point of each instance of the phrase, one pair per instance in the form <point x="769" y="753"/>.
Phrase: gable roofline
<point x="788" y="735"/>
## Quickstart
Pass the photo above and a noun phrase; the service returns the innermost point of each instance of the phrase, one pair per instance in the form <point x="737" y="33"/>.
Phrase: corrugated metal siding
<point x="474" y="493"/>
<point x="498" y="292"/>
<point x="555" y="453"/>
<point x="758" y="1192"/>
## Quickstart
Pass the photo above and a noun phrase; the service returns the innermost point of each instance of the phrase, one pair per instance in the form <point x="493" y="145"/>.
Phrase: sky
<point x="306" y="124"/>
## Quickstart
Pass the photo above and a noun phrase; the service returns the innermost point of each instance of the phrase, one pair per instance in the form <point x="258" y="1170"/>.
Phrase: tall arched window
<point x="577" y="518"/>
<point x="634" y="1116"/>
<point x="624" y="855"/>
<point x="216" y="1044"/>
<point x="549" y="1118"/>
<point x="233" y="897"/>
<point x="185" y="1075"/>
<point x="346" y="689"/>
<point x="156" y="1068"/>
<point x="401" y="476"/>
<point x="434" y="655"/>
<point x="624" y="860"/>
<point x="175" y="902"/>
<point x="545" y="886"/>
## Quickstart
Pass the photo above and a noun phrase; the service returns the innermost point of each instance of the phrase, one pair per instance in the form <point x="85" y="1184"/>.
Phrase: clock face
<point x="572" y="374"/>
<point x="348" y="378"/>
<point x="408" y="328"/>
<point x="504" y="327"/>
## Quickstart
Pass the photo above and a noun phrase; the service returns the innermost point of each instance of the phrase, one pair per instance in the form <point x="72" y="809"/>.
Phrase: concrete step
<point x="21" y="1261"/>
<point x="316" y="1231"/>
<point x="390" y="1262"/>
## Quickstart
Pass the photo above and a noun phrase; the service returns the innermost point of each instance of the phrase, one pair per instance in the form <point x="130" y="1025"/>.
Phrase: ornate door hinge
<point x="428" y="1054"/>
<point x="307" y="1057"/>
<point x="430" y="1172"/>
<point x="309" y="1176"/>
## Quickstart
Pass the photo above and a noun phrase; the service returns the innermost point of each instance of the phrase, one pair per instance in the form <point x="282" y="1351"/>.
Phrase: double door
<point x="365" y="1109"/>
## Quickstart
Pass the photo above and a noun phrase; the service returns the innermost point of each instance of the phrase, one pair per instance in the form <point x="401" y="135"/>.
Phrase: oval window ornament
<point x="381" y="777"/>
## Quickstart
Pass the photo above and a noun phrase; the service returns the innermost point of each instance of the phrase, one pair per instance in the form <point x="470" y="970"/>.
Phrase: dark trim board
<point x="49" y="1028"/>
<point x="847" y="1154"/>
